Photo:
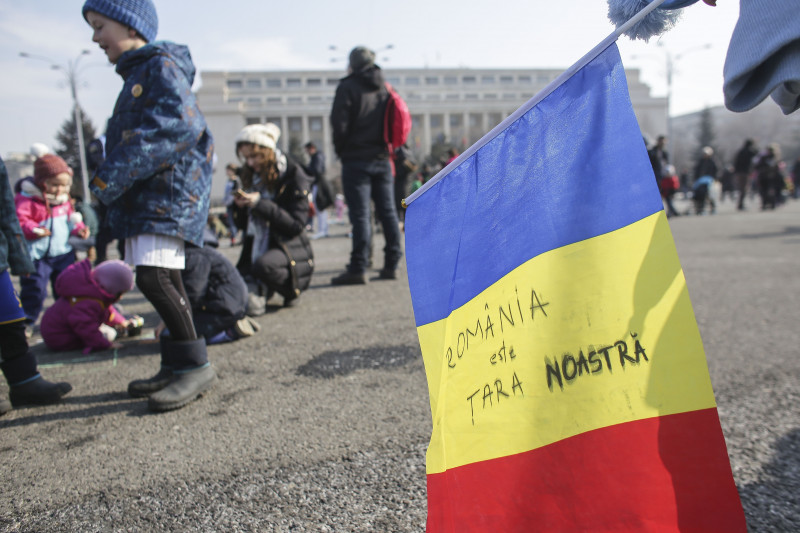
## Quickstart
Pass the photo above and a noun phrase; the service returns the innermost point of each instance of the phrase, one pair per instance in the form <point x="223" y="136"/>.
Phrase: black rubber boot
<point x="141" y="388"/>
<point x="38" y="391"/>
<point x="192" y="375"/>
<point x="27" y="386"/>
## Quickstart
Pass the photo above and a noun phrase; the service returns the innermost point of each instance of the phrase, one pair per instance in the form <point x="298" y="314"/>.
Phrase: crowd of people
<point x="151" y="179"/>
<point x="151" y="182"/>
<point x="753" y="175"/>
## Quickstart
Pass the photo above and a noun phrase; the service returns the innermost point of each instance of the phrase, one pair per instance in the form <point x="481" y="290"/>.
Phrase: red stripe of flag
<point x="668" y="473"/>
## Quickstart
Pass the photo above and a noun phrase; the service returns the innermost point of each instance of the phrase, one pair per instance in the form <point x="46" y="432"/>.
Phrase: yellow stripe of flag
<point x="550" y="352"/>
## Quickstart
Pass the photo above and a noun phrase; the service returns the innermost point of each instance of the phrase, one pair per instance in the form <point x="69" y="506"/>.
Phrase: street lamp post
<point x="71" y="73"/>
<point x="670" y="63"/>
<point x="334" y="49"/>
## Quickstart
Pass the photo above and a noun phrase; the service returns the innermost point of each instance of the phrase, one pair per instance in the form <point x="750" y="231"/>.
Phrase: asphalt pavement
<point x="320" y="422"/>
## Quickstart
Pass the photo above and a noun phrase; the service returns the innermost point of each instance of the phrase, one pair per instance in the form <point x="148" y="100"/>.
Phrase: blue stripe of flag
<point x="573" y="167"/>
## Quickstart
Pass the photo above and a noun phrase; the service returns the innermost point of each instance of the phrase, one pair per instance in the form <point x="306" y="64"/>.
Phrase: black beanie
<point x="361" y="57"/>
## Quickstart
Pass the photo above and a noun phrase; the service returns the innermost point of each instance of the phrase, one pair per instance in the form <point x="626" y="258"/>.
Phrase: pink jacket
<point x="73" y="321"/>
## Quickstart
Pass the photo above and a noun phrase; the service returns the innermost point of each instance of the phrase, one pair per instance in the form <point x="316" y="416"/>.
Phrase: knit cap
<point x="49" y="166"/>
<point x="138" y="14"/>
<point x="361" y="57"/>
<point x="113" y="276"/>
<point x="260" y="134"/>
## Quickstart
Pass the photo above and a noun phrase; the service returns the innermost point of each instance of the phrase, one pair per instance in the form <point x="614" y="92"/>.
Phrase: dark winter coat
<point x="286" y="215"/>
<point x="743" y="163"/>
<point x="156" y="177"/>
<point x="216" y="290"/>
<point x="13" y="249"/>
<point x="316" y="170"/>
<point x="357" y="116"/>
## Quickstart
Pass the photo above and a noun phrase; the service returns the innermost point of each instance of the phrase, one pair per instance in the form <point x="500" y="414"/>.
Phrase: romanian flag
<point x="568" y="384"/>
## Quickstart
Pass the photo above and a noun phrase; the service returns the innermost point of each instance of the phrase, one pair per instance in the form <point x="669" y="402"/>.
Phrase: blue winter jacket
<point x="156" y="177"/>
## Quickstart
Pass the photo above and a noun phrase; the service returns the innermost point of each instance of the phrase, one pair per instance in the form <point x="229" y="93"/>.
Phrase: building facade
<point x="452" y="106"/>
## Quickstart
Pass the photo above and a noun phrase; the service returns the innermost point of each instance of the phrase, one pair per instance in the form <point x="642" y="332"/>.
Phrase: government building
<point x="451" y="106"/>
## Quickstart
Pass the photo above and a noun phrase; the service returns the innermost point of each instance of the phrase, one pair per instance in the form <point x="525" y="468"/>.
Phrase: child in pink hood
<point x="84" y="317"/>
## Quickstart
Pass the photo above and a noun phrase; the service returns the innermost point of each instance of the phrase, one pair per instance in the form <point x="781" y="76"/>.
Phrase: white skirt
<point x="153" y="250"/>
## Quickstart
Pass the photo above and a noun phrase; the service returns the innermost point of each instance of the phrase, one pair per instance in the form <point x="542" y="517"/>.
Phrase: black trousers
<point x="163" y="287"/>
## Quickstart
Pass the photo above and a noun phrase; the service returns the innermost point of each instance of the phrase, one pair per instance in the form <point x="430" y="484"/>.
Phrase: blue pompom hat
<point x="138" y="14"/>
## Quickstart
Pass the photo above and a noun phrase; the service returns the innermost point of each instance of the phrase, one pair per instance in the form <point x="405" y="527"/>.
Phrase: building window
<point x="253" y="120"/>
<point x="452" y="96"/>
<point x="274" y="100"/>
<point x="315" y="123"/>
<point x="412" y="80"/>
<point x="509" y="96"/>
<point x="506" y="79"/>
<point x="450" y="80"/>
<point x="295" y="99"/>
<point x="543" y="78"/>
<point x="294" y="82"/>
<point x="455" y="121"/>
<point x="253" y="84"/>
<point x="490" y="96"/>
<point x="235" y="99"/>
<point x="313" y="82"/>
<point x="470" y="96"/>
<point x="295" y="124"/>
<point x="332" y="82"/>
<point x="254" y="100"/>
<point x="431" y="80"/>
<point x="524" y="79"/>
<point x="434" y="96"/>
<point x="274" y="83"/>
<point x="487" y="80"/>
<point x="314" y="99"/>
<point x="469" y="80"/>
<point x="436" y="121"/>
<point x="234" y="84"/>
<point x="393" y="80"/>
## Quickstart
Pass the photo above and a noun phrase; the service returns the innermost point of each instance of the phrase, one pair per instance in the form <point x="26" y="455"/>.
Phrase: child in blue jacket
<point x="156" y="181"/>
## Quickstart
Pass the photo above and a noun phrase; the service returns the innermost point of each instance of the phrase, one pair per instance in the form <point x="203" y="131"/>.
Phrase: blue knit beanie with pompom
<point x="138" y="14"/>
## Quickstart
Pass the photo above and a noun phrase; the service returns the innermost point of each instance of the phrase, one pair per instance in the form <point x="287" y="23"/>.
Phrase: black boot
<point x="37" y="392"/>
<point x="142" y="388"/>
<point x="26" y="385"/>
<point x="192" y="375"/>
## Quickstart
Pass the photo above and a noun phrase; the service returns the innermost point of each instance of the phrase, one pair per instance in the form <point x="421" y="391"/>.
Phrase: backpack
<point x="396" y="121"/>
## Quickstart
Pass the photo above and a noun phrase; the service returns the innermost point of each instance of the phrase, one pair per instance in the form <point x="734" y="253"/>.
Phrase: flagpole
<point x="541" y="95"/>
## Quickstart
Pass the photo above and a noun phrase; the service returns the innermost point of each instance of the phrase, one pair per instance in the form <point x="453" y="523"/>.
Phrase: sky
<point x="35" y="100"/>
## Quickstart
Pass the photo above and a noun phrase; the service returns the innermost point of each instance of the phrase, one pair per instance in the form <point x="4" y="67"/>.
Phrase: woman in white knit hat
<point x="276" y="250"/>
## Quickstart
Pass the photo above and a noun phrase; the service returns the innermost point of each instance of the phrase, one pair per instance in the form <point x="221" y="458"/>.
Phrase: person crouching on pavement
<point x="275" y="192"/>
<point x="84" y="317"/>
<point x="217" y="294"/>
<point x="26" y="384"/>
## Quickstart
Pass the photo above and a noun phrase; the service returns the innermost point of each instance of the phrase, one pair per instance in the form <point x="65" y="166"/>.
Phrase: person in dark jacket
<point x="321" y="191"/>
<point x="156" y="181"/>
<point x="275" y="192"/>
<point x="218" y="295"/>
<point x="26" y="384"/>
<point x="742" y="167"/>
<point x="705" y="177"/>
<point x="357" y="118"/>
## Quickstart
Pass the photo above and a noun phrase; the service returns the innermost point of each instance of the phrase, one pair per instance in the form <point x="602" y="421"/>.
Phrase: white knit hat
<point x="266" y="135"/>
